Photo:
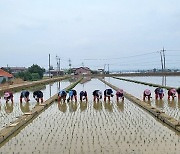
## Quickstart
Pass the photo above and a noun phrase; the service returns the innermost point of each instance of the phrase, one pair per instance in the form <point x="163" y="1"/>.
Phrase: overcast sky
<point x="126" y="34"/>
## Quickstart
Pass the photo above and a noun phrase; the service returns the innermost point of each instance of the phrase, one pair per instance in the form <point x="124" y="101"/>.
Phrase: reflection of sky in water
<point x="94" y="128"/>
<point x="172" y="81"/>
<point x="9" y="111"/>
<point x="171" y="108"/>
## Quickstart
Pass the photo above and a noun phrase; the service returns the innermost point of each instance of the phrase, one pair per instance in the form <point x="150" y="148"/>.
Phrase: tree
<point x="36" y="69"/>
<point x="27" y="76"/>
<point x="35" y="76"/>
<point x="34" y="72"/>
<point x="20" y="75"/>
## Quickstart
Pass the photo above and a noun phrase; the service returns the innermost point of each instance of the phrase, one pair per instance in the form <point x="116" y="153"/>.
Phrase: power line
<point x="120" y="57"/>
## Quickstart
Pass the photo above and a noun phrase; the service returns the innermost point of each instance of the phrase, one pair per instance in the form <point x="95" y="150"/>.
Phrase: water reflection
<point x="62" y="106"/>
<point x="58" y="86"/>
<point x="172" y="104"/>
<point x="72" y="106"/>
<point x="9" y="107"/>
<point x="83" y="106"/>
<point x="159" y="103"/>
<point x="148" y="102"/>
<point x="97" y="105"/>
<point x="25" y="107"/>
<point x="39" y="87"/>
<point x="163" y="80"/>
<point x="108" y="106"/>
<point x="50" y="94"/>
<point x="120" y="105"/>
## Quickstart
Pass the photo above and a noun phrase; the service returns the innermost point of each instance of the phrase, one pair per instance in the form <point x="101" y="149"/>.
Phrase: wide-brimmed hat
<point x="147" y="92"/>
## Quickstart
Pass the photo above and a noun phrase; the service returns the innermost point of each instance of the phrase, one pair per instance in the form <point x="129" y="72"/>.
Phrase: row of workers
<point x="97" y="94"/>
<point x="38" y="95"/>
<point x="159" y="93"/>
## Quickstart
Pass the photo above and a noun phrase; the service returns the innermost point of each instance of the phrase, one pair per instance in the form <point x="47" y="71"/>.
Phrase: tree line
<point x="33" y="73"/>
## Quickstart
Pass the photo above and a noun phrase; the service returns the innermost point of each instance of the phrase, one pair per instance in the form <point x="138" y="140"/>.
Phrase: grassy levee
<point x="18" y="87"/>
<point x="136" y="74"/>
<point x="170" y="121"/>
<point x="144" y="83"/>
<point x="11" y="129"/>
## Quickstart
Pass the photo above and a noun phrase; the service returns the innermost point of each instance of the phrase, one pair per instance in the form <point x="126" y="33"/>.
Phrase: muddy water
<point x="172" y="81"/>
<point x="94" y="128"/>
<point x="170" y="107"/>
<point x="10" y="111"/>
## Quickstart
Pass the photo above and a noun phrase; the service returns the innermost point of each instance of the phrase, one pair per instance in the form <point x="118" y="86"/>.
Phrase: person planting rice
<point x="159" y="93"/>
<point x="97" y="94"/>
<point x="62" y="95"/>
<point x="171" y="93"/>
<point x="119" y="94"/>
<point x="8" y="96"/>
<point x="108" y="93"/>
<point x="38" y="95"/>
<point x="25" y="95"/>
<point x="147" y="94"/>
<point x="83" y="95"/>
<point x="72" y="94"/>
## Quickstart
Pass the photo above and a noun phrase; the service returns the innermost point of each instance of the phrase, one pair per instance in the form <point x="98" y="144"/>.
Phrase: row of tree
<point x="33" y="73"/>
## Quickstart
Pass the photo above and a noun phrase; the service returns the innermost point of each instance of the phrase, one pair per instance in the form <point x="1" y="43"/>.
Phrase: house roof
<point x="6" y="74"/>
<point x="86" y="68"/>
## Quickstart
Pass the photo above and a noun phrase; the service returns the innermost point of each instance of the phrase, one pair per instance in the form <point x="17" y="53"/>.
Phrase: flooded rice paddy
<point x="171" y="81"/>
<point x="170" y="107"/>
<point x="10" y="111"/>
<point x="95" y="127"/>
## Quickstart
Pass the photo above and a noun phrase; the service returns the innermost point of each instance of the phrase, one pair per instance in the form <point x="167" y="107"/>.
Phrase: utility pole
<point x="162" y="66"/>
<point x="108" y="68"/>
<point x="69" y="65"/>
<point x="104" y="68"/>
<point x="59" y="66"/>
<point x="163" y="51"/>
<point x="161" y="61"/>
<point x="57" y="63"/>
<point x="49" y="65"/>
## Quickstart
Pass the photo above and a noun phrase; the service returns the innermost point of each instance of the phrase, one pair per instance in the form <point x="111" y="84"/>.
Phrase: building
<point x="15" y="70"/>
<point x="101" y="71"/>
<point x="5" y="76"/>
<point x="82" y="71"/>
<point x="56" y="72"/>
